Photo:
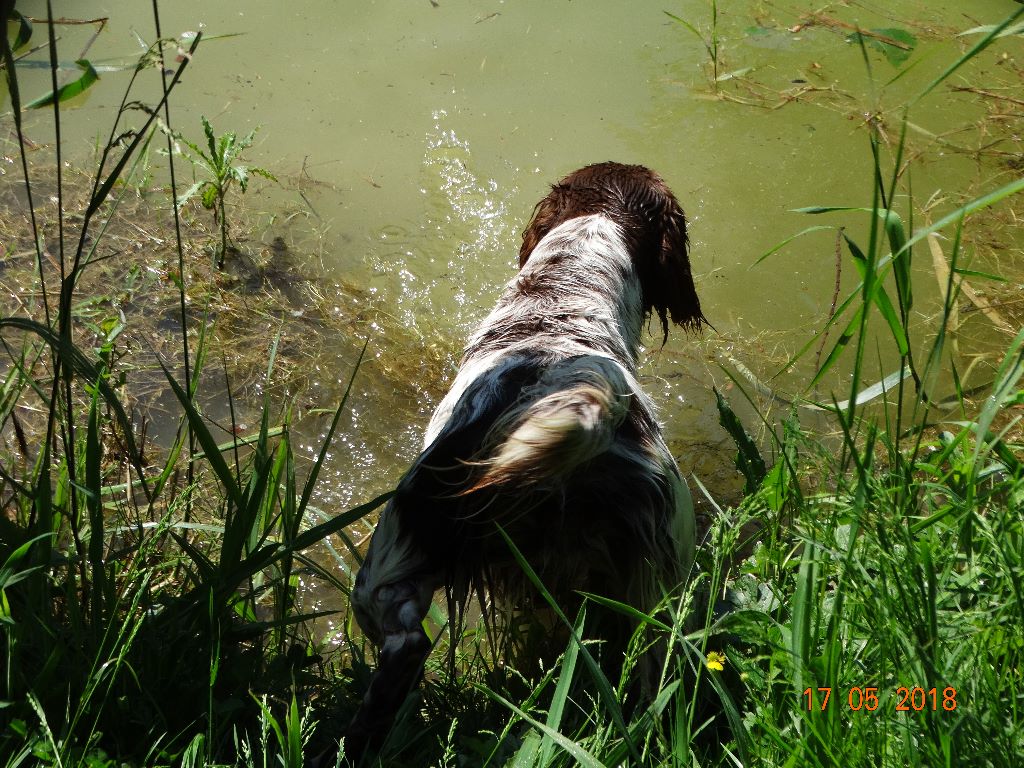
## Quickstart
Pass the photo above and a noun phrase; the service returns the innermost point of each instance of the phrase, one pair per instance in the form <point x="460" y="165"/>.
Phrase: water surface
<point x="413" y="139"/>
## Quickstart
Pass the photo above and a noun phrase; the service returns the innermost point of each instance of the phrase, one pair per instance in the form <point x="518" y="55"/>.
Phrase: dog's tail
<point x="563" y="421"/>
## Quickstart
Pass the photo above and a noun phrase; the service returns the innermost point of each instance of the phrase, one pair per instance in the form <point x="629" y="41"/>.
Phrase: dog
<point x="546" y="434"/>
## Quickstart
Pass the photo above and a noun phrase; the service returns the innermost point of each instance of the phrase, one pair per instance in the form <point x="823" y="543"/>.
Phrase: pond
<point x="412" y="140"/>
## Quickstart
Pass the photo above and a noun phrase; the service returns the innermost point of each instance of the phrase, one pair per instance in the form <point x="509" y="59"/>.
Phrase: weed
<point x="220" y="163"/>
<point x="709" y="39"/>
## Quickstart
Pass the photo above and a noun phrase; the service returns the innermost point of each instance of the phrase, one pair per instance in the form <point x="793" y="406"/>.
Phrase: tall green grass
<point x="881" y="568"/>
<point x="892" y="580"/>
<point x="149" y="614"/>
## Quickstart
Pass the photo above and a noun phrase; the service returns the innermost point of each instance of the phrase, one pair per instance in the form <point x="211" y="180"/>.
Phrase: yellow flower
<point x="716" y="661"/>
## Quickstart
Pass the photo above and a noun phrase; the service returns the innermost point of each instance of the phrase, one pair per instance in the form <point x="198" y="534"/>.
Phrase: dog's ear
<point x="652" y="222"/>
<point x="545" y="217"/>
<point x="666" y="277"/>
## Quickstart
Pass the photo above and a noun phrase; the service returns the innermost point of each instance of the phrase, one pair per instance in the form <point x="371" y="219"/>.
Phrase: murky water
<point x="414" y="138"/>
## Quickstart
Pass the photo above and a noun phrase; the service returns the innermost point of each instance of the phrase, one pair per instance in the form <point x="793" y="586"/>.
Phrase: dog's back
<point x="546" y="431"/>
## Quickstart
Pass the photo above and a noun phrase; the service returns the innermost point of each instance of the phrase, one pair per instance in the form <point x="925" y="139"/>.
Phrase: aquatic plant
<point x="709" y="39"/>
<point x="220" y="164"/>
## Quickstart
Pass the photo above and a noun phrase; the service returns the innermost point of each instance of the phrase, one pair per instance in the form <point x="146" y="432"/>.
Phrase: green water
<point x="414" y="138"/>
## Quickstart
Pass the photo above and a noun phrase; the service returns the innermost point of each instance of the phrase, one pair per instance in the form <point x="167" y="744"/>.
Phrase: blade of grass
<point x="788" y="240"/>
<point x="69" y="90"/>
<point x="557" y="707"/>
<point x="579" y="754"/>
<point x="94" y="507"/>
<point x="627" y="610"/>
<point x="605" y="691"/>
<point x="881" y="299"/>
<point x="24" y="27"/>
<point x="803" y="600"/>
<point x="84" y="369"/>
<point x="975" y="49"/>
<point x="202" y="433"/>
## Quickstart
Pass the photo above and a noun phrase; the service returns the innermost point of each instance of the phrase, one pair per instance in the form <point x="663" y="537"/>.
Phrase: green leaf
<point x="977" y="204"/>
<point x="210" y="140"/>
<point x="202" y="433"/>
<point x="94" y="505"/>
<point x="314" y="472"/>
<point x="897" y="46"/>
<point x="983" y="275"/>
<point x="77" y="362"/>
<point x="901" y="260"/>
<point x="734" y="74"/>
<point x="200" y="156"/>
<point x="189" y="193"/>
<point x="604" y="688"/>
<point x="748" y="458"/>
<point x="788" y="240"/>
<point x="774" y="486"/>
<point x="264" y="173"/>
<point x="800" y="646"/>
<point x="8" y="574"/>
<point x="848" y="334"/>
<point x="987" y="29"/>
<point x="294" y="745"/>
<point x="880" y="298"/>
<point x="685" y="24"/>
<point x="68" y="90"/>
<point x="142" y="134"/>
<point x="272" y="552"/>
<point x="816" y="209"/>
<point x="225" y="146"/>
<point x="241" y="174"/>
<point x="627" y="610"/>
<point x="209" y="198"/>
<point x="195" y="753"/>
<point x="24" y="30"/>
<point x="562" y="689"/>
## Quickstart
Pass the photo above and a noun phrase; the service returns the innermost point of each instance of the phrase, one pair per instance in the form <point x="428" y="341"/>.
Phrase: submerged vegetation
<point x="863" y="604"/>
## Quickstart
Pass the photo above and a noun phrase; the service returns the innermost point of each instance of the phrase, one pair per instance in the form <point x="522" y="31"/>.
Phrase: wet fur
<point x="546" y="431"/>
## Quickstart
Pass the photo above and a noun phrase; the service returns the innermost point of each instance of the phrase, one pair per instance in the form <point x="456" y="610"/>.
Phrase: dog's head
<point x="652" y="223"/>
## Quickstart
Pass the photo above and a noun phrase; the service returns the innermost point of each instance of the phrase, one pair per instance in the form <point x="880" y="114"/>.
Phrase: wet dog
<point x="546" y="434"/>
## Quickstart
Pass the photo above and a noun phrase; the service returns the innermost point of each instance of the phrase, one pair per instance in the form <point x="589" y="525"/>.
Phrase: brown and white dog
<point x="545" y="432"/>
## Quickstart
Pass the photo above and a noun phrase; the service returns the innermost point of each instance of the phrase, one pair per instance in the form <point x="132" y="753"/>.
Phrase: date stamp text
<point x="869" y="699"/>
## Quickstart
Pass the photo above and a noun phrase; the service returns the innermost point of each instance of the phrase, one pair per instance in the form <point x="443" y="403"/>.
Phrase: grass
<point x="148" y="598"/>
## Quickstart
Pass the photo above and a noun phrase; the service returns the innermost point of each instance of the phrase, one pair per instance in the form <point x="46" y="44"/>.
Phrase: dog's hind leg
<point x="399" y="670"/>
<point x="391" y="597"/>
